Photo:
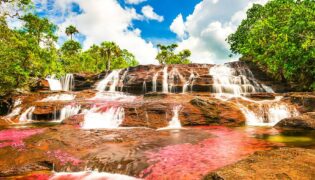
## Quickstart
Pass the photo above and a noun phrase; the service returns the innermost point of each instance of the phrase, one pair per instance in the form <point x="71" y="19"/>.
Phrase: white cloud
<point x="134" y="1"/>
<point x="149" y="14"/>
<point x="107" y="20"/>
<point x="178" y="26"/>
<point x="208" y="27"/>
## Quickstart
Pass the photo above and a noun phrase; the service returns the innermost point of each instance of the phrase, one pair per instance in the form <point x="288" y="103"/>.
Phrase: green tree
<point x="167" y="55"/>
<point x="280" y="38"/>
<point x="40" y="28"/>
<point x="71" y="30"/>
<point x="108" y="52"/>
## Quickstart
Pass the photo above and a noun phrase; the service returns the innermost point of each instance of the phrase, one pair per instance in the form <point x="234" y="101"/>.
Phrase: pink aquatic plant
<point x="193" y="161"/>
<point x="64" y="157"/>
<point x="15" y="137"/>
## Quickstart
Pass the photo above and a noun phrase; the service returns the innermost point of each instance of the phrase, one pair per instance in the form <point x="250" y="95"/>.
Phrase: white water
<point x="54" y="83"/>
<point x="154" y="84"/>
<point x="90" y="175"/>
<point x="144" y="87"/>
<point x="16" y="110"/>
<point x="226" y="81"/>
<point x="26" y="116"/>
<point x="123" y="77"/>
<point x="268" y="114"/>
<point x="66" y="83"/>
<point x="175" y="122"/>
<point x="235" y="83"/>
<point x="68" y="111"/>
<point x="113" y="97"/>
<point x="165" y="80"/>
<point x="110" y="119"/>
<point x="112" y="78"/>
<point x="59" y="97"/>
<point x="189" y="82"/>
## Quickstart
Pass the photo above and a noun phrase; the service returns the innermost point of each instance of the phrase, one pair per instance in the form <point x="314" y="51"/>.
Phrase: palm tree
<point x="71" y="30"/>
<point x="109" y="50"/>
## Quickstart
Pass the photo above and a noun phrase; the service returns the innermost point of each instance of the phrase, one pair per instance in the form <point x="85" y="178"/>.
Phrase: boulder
<point x="284" y="163"/>
<point x="305" y="121"/>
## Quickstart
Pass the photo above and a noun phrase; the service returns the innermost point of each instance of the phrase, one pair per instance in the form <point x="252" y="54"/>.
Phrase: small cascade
<point x="67" y="82"/>
<point x="67" y="112"/>
<point x="175" y="122"/>
<point x="189" y="82"/>
<point x="144" y="87"/>
<point x="165" y="80"/>
<point x="27" y="115"/>
<point x="123" y="77"/>
<point x="174" y="78"/>
<point x="59" y="97"/>
<point x="234" y="82"/>
<point x="16" y="110"/>
<point x="154" y="82"/>
<point x="112" y="78"/>
<point x="54" y="83"/>
<point x="268" y="114"/>
<point x="109" y="119"/>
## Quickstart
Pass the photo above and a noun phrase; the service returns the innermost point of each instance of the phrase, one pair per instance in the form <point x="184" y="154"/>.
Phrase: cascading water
<point x="144" y="87"/>
<point x="175" y="122"/>
<point x="59" y="97"/>
<point x="66" y="83"/>
<point x="165" y="80"/>
<point x="236" y="82"/>
<point x="189" y="82"/>
<point x="230" y="82"/>
<point x="27" y="115"/>
<point x="109" y="119"/>
<point x="154" y="80"/>
<point x="68" y="111"/>
<point x="123" y="77"/>
<point x="16" y="110"/>
<point x="175" y="78"/>
<point x="112" y="78"/>
<point x="54" y="83"/>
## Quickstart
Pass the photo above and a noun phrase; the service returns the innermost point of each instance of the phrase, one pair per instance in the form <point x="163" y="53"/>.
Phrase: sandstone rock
<point x="305" y="121"/>
<point x="219" y="112"/>
<point x="284" y="163"/>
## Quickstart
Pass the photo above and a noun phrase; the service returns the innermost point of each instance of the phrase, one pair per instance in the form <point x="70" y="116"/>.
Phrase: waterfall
<point x="190" y="82"/>
<point x="110" y="119"/>
<point x="154" y="84"/>
<point x="235" y="82"/>
<point x="165" y="80"/>
<point x="27" y="115"/>
<point x="227" y="81"/>
<point x="66" y="83"/>
<point x="59" y="97"/>
<point x="144" y="87"/>
<point x="54" y="83"/>
<point x="175" y="122"/>
<point x="67" y="112"/>
<point x="112" y="78"/>
<point x="123" y="77"/>
<point x="268" y="114"/>
<point x="86" y="175"/>
<point x="16" y="110"/>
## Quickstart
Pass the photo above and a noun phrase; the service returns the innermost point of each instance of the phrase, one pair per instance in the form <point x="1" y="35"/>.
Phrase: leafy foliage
<point x="167" y="55"/>
<point x="280" y="38"/>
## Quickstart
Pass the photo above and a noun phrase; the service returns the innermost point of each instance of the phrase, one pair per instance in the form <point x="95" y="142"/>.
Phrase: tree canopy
<point x="167" y="55"/>
<point x="280" y="38"/>
<point x="30" y="52"/>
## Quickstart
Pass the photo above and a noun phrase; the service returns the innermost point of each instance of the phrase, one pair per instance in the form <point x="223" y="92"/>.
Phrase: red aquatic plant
<point x="64" y="157"/>
<point x="15" y="137"/>
<point x="193" y="161"/>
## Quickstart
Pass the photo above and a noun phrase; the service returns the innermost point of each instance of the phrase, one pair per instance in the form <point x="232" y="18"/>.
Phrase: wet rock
<point x="261" y="96"/>
<point x="305" y="121"/>
<point x="284" y="163"/>
<point x="219" y="112"/>
<point x="305" y="100"/>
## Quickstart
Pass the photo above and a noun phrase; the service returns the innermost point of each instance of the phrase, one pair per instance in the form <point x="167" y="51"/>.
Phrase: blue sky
<point x="138" y="25"/>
